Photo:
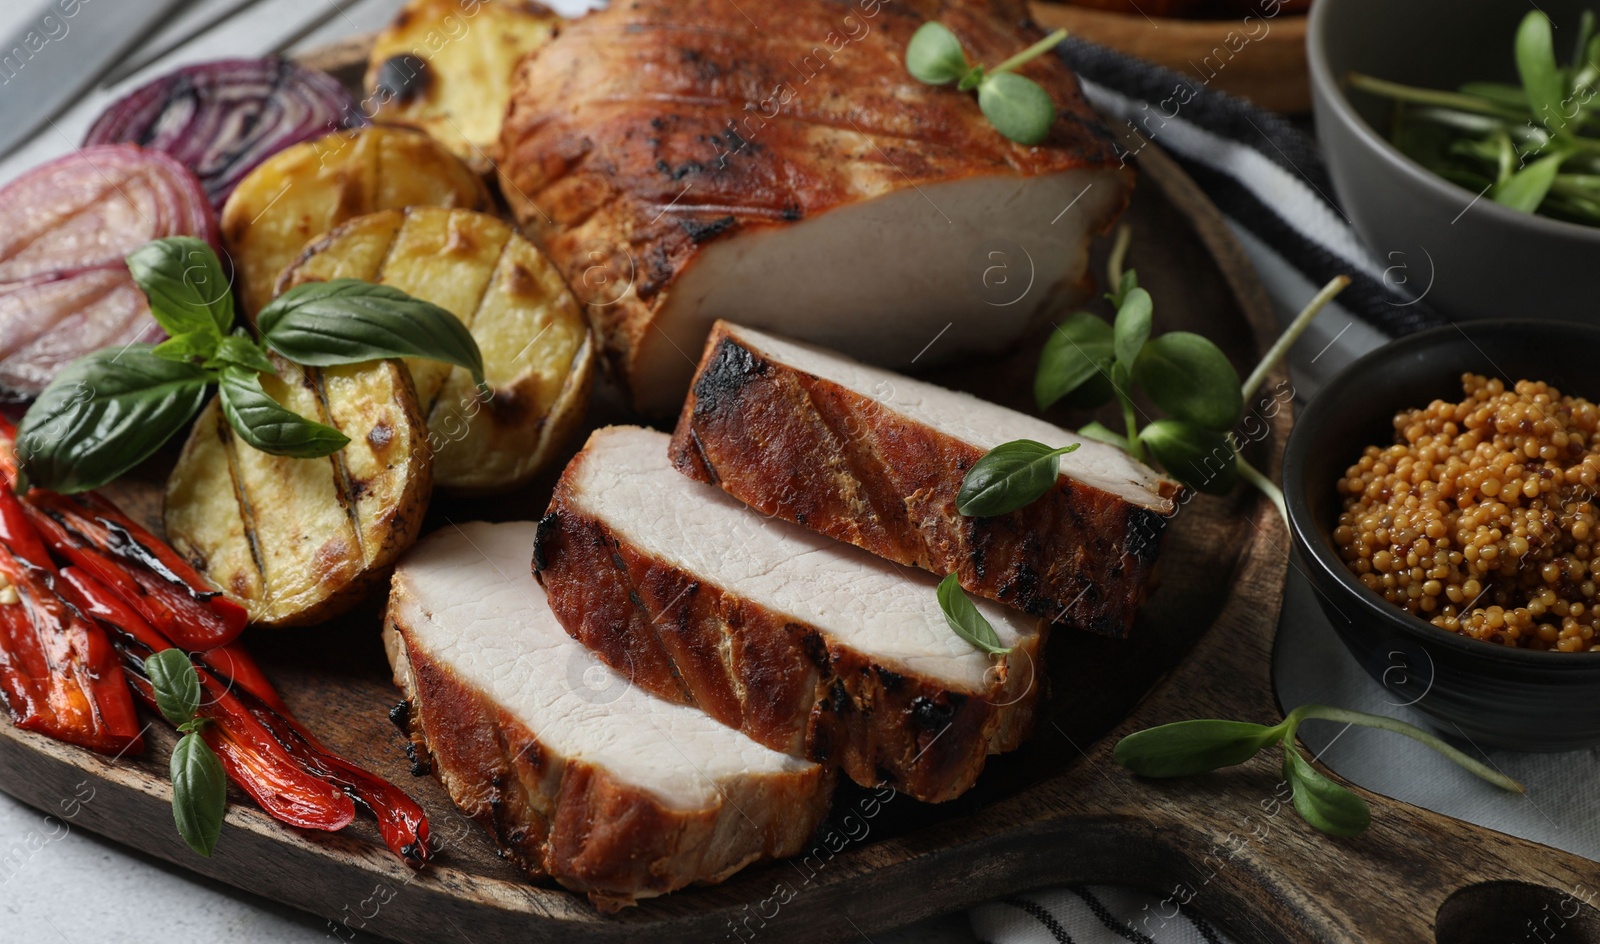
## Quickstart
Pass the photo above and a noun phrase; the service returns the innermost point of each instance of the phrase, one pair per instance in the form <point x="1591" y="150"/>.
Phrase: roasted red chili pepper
<point x="18" y="534"/>
<point x="159" y="557"/>
<point x="95" y="599"/>
<point x="194" y="618"/>
<point x="400" y="819"/>
<point x="78" y="692"/>
<point x="252" y="757"/>
<point x="21" y="663"/>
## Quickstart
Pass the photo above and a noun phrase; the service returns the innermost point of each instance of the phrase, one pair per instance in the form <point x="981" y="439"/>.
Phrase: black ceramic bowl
<point x="1496" y="695"/>
<point x="1488" y="261"/>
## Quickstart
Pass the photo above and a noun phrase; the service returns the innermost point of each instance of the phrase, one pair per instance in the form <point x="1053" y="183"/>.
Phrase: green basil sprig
<point x="1015" y="105"/>
<point x="1088" y="362"/>
<point x="965" y="619"/>
<point x="199" y="784"/>
<point x="1187" y="748"/>
<point x="108" y="411"/>
<point x="1182" y="373"/>
<point x="1010" y="476"/>
<point x="267" y="425"/>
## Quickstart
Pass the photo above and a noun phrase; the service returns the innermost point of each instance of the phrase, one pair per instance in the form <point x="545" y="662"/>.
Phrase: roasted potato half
<point x="537" y="356"/>
<point x="306" y="190"/>
<point x="445" y="66"/>
<point x="299" y="540"/>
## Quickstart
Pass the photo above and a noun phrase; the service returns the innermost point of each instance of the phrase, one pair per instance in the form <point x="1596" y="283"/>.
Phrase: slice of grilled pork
<point x="775" y="163"/>
<point x="808" y="645"/>
<point x="876" y="459"/>
<point x="578" y="775"/>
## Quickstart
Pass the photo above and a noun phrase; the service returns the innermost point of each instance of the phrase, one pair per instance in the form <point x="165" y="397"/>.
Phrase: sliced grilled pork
<point x="688" y="160"/>
<point x="579" y="775"/>
<point x="808" y="645"/>
<point x="876" y="459"/>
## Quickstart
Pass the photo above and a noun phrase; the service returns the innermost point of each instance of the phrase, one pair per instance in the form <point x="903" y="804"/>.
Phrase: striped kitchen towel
<point x="1090" y="914"/>
<point x="1265" y="175"/>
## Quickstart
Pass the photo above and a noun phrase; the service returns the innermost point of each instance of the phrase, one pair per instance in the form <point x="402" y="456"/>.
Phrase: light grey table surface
<point x="66" y="885"/>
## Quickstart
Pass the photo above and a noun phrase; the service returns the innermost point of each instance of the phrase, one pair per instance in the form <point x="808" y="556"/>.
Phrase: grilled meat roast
<point x="579" y="775"/>
<point x="807" y="644"/>
<point x="775" y="164"/>
<point x="875" y="458"/>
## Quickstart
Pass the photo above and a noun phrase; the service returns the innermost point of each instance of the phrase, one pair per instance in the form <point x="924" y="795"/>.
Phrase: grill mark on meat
<point x="549" y="529"/>
<point x="703" y="231"/>
<point x="854" y="467"/>
<point x="730" y="369"/>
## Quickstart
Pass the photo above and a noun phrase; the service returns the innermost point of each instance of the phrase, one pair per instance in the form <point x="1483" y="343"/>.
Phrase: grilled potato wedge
<point x="537" y="355"/>
<point x="296" y="541"/>
<point x="446" y="70"/>
<point x="306" y="190"/>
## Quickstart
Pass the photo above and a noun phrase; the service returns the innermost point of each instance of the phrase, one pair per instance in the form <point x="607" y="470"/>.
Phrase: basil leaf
<point x="1190" y="377"/>
<point x="176" y="685"/>
<point x="1078" y="351"/>
<point x="199" y="793"/>
<point x="240" y="350"/>
<point x="1324" y="804"/>
<point x="184" y="282"/>
<point x="104" y="414"/>
<point x="345" y="321"/>
<point x="1526" y="189"/>
<point x="1017" y="107"/>
<point x="1132" y="327"/>
<point x="196" y="345"/>
<point x="965" y="619"/>
<point x="934" y="55"/>
<point x="1199" y="458"/>
<point x="1186" y="748"/>
<point x="971" y="80"/>
<point x="270" y="427"/>
<point x="1010" y="476"/>
<point x="1541" y="78"/>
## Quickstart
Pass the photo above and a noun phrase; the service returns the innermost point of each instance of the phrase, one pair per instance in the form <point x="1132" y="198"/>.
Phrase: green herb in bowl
<point x="1534" y="147"/>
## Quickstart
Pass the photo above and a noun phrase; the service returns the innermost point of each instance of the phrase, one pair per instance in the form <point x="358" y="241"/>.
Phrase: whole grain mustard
<point x="1482" y="517"/>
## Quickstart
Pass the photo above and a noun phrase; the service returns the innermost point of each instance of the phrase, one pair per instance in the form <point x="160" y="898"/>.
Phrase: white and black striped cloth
<point x="1089" y="914"/>
<point x="1264" y="174"/>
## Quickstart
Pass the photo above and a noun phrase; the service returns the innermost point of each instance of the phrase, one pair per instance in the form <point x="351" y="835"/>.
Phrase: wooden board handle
<point x="1230" y="845"/>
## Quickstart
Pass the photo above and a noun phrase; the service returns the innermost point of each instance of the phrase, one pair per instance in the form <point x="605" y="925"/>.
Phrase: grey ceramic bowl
<point x="1498" y="696"/>
<point x="1488" y="261"/>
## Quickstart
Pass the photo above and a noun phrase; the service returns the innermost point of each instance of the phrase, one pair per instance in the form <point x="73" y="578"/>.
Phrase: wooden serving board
<point x="1058" y="811"/>
<point x="1258" y="57"/>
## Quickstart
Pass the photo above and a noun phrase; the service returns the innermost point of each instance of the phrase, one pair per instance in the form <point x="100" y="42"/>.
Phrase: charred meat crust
<point x="785" y="684"/>
<point x="569" y="820"/>
<point x="790" y="444"/>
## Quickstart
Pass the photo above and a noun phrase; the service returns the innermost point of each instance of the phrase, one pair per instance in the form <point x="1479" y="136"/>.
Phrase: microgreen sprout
<point x="1016" y="105"/>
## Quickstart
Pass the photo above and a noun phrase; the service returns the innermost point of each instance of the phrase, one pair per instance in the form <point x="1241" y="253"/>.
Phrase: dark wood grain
<point x="1057" y="811"/>
<point x="1252" y="54"/>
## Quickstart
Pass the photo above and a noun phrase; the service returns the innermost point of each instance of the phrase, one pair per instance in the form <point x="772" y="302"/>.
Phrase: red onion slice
<point x="221" y="119"/>
<point x="65" y="229"/>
